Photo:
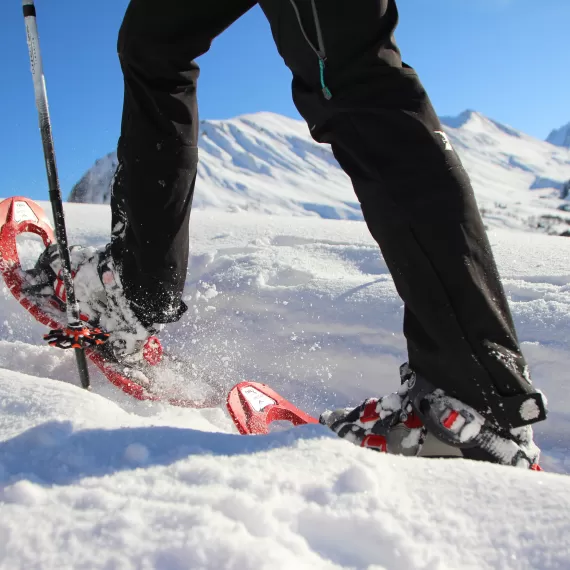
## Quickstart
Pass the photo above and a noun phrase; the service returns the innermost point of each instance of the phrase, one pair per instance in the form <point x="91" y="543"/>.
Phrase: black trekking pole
<point x="76" y="335"/>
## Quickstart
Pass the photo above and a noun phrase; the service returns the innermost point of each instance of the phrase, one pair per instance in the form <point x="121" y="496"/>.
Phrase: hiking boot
<point x="101" y="301"/>
<point x="428" y="423"/>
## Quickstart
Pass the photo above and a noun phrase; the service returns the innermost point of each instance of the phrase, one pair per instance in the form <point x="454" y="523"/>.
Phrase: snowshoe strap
<point x="76" y="337"/>
<point x="458" y="425"/>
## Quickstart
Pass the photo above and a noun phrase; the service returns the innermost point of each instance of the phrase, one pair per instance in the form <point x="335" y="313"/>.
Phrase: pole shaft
<point x="72" y="307"/>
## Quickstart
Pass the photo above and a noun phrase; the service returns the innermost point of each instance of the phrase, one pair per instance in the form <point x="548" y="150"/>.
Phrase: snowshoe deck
<point x="253" y="407"/>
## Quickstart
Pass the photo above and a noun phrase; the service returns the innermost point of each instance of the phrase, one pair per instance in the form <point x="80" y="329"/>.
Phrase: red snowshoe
<point x="20" y="215"/>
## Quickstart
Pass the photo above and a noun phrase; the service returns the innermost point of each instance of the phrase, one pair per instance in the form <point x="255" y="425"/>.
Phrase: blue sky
<point x="508" y="59"/>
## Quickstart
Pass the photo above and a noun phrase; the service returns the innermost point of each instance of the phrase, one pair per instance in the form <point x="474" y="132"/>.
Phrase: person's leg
<point x="153" y="187"/>
<point x="416" y="199"/>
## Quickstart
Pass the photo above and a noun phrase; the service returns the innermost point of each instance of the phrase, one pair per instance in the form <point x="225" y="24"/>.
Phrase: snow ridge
<point x="95" y="186"/>
<point x="560" y="137"/>
<point x="263" y="162"/>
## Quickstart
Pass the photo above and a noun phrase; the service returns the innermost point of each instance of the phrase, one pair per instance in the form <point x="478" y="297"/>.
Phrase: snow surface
<point x="268" y="163"/>
<point x="99" y="480"/>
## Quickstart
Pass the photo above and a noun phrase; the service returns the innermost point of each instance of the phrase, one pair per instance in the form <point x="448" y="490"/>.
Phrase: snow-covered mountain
<point x="264" y="162"/>
<point x="268" y="163"/>
<point x="560" y="137"/>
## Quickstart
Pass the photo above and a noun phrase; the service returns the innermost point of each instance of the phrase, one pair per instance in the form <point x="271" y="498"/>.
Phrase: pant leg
<point x="154" y="184"/>
<point x="416" y="197"/>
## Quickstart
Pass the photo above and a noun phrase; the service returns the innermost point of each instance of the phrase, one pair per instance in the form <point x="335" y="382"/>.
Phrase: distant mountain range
<point x="269" y="163"/>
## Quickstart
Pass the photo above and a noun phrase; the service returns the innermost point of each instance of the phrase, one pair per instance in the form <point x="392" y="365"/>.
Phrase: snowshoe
<point x="131" y="357"/>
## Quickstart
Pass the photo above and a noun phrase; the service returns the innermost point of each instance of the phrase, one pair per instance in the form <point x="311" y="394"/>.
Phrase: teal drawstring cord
<point x="320" y="52"/>
<point x="326" y="91"/>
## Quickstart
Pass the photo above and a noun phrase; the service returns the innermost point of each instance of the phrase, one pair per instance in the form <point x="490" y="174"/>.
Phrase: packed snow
<point x="268" y="163"/>
<point x="98" y="480"/>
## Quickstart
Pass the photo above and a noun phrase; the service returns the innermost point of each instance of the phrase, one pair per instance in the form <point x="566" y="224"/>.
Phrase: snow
<point x="263" y="162"/>
<point x="268" y="163"/>
<point x="113" y="490"/>
<point x="560" y="137"/>
<point x="529" y="410"/>
<point x="99" y="480"/>
<point x="94" y="186"/>
<point x="517" y="179"/>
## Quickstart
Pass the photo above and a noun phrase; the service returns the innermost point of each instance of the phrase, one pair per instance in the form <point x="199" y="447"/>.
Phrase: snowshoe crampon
<point x="21" y="215"/>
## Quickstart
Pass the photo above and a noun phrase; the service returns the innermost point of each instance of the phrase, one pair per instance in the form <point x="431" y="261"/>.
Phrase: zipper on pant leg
<point x="320" y="50"/>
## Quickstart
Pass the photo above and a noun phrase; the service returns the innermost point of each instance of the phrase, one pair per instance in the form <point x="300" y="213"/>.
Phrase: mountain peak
<point x="560" y="137"/>
<point x="260" y="121"/>
<point x="477" y="122"/>
<point x="462" y="119"/>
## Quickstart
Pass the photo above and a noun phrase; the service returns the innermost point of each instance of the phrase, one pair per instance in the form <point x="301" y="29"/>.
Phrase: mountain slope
<point x="264" y="162"/>
<point x="560" y="137"/>
<point x="518" y="179"/>
<point x="269" y="164"/>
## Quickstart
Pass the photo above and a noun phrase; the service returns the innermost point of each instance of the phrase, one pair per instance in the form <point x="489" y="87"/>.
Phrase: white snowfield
<point x="97" y="480"/>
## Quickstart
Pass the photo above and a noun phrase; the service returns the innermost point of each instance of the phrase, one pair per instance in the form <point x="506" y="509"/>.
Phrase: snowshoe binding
<point x="130" y="357"/>
<point x="419" y="420"/>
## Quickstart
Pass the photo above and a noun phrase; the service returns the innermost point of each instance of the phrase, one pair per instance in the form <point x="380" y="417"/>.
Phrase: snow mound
<point x="114" y="490"/>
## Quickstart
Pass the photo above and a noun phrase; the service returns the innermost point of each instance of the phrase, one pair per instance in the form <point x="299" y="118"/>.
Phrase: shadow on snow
<point x="53" y="454"/>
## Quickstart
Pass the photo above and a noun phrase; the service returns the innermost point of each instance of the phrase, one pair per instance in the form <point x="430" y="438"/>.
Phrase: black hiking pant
<point x="350" y="85"/>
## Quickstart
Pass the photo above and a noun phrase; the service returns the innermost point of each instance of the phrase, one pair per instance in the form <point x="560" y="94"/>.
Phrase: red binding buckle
<point x="450" y="420"/>
<point x="377" y="442"/>
<point x="369" y="413"/>
<point x="152" y="351"/>
<point x="76" y="337"/>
